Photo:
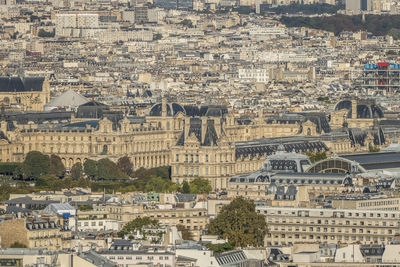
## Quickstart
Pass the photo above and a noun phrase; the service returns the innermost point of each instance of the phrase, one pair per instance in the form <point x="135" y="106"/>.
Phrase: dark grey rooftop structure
<point x="196" y="128"/>
<point x="268" y="146"/>
<point x="21" y="84"/>
<point x="293" y="178"/>
<point x="121" y="244"/>
<point x="366" y="109"/>
<point x="171" y="108"/>
<point x="373" y="161"/>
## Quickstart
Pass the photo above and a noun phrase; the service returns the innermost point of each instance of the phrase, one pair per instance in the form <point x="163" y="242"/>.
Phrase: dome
<point x="283" y="161"/>
<point x="366" y="109"/>
<point x="172" y="109"/>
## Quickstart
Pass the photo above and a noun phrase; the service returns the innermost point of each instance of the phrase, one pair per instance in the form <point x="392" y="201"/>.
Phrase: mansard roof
<point x="268" y="146"/>
<point x="18" y="84"/>
<point x="195" y="128"/>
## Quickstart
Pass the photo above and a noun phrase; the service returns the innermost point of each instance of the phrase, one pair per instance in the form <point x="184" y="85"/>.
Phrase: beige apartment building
<point x="346" y="226"/>
<point x="194" y="219"/>
<point x="34" y="233"/>
<point x="373" y="203"/>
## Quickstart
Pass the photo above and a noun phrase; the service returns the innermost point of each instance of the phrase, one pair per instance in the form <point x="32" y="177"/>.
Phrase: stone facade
<point x="34" y="234"/>
<point x="205" y="142"/>
<point x="24" y="93"/>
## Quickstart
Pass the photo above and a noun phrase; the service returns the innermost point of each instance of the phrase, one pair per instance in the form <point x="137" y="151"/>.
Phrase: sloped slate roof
<point x="18" y="84"/>
<point x="210" y="138"/>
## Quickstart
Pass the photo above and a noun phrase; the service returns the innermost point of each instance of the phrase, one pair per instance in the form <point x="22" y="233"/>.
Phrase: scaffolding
<point x="382" y="76"/>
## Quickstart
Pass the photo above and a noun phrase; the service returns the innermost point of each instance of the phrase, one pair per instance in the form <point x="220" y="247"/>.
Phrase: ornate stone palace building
<point x="206" y="141"/>
<point x="24" y="93"/>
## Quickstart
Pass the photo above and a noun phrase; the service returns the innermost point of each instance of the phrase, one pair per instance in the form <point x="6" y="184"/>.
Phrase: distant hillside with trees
<point x="378" y="25"/>
<point x="306" y="9"/>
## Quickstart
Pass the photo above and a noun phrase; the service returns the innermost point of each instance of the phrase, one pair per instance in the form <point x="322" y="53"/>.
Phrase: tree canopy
<point x="90" y="168"/>
<point x="316" y="156"/>
<point x="376" y="24"/>
<point x="106" y="169"/>
<point x="200" y="186"/>
<point x="137" y="225"/>
<point x="56" y="166"/>
<point x="76" y="171"/>
<point x="240" y="224"/>
<point x="125" y="165"/>
<point x="220" y="248"/>
<point x="35" y="165"/>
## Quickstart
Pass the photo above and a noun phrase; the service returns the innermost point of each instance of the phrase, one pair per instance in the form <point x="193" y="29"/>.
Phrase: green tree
<point x="186" y="234"/>
<point x="200" y="186"/>
<point x="49" y="181"/>
<point x="5" y="191"/>
<point x="10" y="168"/>
<point x="160" y="185"/>
<point x="185" y="187"/>
<point x="56" y="166"/>
<point x="18" y="245"/>
<point x="125" y="165"/>
<point x="220" y="248"/>
<point x="85" y="207"/>
<point x="316" y="156"/>
<point x="35" y="165"/>
<point x="90" y="168"/>
<point x="76" y="171"/>
<point x="106" y="169"/>
<point x="240" y="224"/>
<point x="137" y="225"/>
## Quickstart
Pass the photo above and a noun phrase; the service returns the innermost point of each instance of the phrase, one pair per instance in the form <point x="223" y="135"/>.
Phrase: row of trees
<point x="376" y="24"/>
<point x="49" y="173"/>
<point x="37" y="164"/>
<point x="104" y="169"/>
<point x="308" y="9"/>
